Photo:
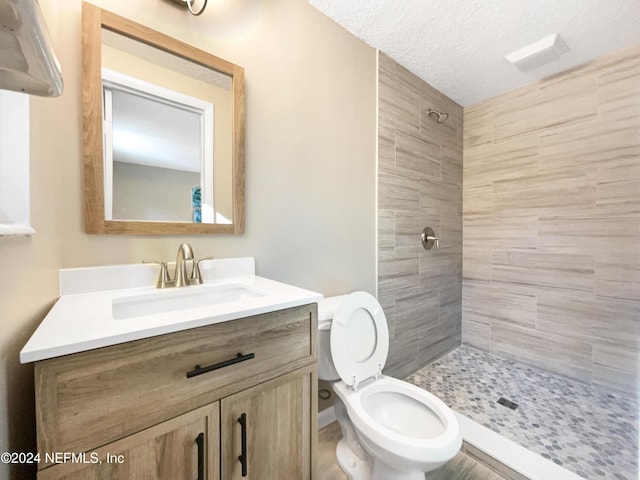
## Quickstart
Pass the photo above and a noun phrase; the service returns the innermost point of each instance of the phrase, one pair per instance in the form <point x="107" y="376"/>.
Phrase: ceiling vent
<point x="539" y="53"/>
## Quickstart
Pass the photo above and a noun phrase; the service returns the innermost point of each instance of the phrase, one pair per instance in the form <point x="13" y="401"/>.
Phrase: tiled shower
<point x="539" y="227"/>
<point x="419" y="185"/>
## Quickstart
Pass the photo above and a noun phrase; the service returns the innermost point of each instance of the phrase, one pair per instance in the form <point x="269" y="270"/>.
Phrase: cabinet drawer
<point x="89" y="399"/>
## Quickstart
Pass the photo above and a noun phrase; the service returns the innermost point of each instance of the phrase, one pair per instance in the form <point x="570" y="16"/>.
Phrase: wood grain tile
<point x="547" y="104"/>
<point x="477" y="199"/>
<point x="616" y="368"/>
<point x="492" y="305"/>
<point x="549" y="193"/>
<point x="499" y="231"/>
<point x="398" y="273"/>
<point x="619" y="198"/>
<point x="478" y="127"/>
<point x="618" y="274"/>
<point x="397" y="191"/>
<point x="515" y="158"/>
<point x="562" y="313"/>
<point x="417" y="154"/>
<point x="571" y="272"/>
<point x="476" y="334"/>
<point x="587" y="234"/>
<point x="561" y="354"/>
<point x="419" y="185"/>
<point x="476" y="262"/>
<point x="490" y="462"/>
<point x="551" y="209"/>
<point x="386" y="230"/>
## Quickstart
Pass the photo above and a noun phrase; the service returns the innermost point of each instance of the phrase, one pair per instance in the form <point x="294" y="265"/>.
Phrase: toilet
<point x="391" y="429"/>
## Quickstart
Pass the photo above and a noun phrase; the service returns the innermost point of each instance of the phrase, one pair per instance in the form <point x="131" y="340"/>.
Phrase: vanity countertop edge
<point x="80" y="322"/>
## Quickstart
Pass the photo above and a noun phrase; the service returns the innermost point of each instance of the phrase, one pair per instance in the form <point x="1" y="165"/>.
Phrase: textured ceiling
<point x="458" y="46"/>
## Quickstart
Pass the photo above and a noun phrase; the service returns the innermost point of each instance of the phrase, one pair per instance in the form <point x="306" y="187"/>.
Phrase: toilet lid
<point x="359" y="338"/>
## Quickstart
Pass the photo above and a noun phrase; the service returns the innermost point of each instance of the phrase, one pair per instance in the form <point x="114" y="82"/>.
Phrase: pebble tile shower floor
<point x="590" y="431"/>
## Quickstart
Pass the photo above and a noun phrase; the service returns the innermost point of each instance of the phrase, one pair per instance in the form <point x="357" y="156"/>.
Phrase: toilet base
<point x="354" y="467"/>
<point x="382" y="471"/>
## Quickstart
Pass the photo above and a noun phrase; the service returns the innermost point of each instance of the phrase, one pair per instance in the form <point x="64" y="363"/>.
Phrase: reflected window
<point x="158" y="152"/>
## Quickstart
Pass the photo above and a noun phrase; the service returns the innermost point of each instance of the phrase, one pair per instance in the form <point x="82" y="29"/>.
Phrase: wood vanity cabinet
<point x="130" y="411"/>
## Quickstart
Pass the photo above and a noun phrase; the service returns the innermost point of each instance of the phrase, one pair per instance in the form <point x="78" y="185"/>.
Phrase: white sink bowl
<point x="164" y="301"/>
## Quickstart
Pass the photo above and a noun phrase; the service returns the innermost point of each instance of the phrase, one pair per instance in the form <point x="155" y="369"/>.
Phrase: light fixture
<point x="28" y="63"/>
<point x="189" y="5"/>
<point x="539" y="53"/>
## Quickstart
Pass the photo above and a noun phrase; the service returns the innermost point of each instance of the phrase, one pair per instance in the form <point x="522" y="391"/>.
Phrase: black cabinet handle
<point x="198" y="370"/>
<point x="243" y="434"/>
<point x="200" y="442"/>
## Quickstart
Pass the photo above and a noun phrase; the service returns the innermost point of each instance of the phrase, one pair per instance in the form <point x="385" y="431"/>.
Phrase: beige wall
<point x="419" y="185"/>
<point x="551" y="223"/>
<point x="310" y="145"/>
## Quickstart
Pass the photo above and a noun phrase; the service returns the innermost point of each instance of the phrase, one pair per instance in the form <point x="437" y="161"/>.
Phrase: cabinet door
<point x="280" y="429"/>
<point x="183" y="448"/>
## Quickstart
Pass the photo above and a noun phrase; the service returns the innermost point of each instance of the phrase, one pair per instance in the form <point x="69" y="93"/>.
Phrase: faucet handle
<point x="163" y="278"/>
<point x="196" y="277"/>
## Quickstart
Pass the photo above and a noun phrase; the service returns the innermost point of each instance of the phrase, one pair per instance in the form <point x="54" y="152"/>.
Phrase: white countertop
<point x="82" y="318"/>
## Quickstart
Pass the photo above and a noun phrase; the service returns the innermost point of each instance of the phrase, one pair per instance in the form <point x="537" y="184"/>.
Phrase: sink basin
<point x="164" y="301"/>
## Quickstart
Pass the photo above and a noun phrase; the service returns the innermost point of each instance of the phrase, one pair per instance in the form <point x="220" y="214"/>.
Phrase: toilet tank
<point x="326" y="308"/>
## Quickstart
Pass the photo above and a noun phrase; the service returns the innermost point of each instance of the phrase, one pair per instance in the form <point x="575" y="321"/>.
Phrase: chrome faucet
<point x="185" y="253"/>
<point x="180" y="278"/>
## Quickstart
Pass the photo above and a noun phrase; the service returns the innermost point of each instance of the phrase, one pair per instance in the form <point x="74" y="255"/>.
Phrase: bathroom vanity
<point x="212" y="397"/>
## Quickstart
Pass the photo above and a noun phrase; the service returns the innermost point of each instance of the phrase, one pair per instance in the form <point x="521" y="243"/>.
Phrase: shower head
<point x="439" y="117"/>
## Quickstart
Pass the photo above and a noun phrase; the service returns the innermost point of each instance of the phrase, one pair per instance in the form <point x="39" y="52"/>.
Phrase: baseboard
<point x="326" y="417"/>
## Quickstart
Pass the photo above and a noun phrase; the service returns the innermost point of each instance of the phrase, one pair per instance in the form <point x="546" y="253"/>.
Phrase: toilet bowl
<point x="392" y="430"/>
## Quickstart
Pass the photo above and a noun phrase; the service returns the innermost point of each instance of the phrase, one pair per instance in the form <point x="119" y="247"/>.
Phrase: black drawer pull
<point x="200" y="442"/>
<point x="243" y="435"/>
<point x="198" y="370"/>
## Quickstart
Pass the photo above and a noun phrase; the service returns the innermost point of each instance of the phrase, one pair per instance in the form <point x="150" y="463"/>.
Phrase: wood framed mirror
<point x="163" y="132"/>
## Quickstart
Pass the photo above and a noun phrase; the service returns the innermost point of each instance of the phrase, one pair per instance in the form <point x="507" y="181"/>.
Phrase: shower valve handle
<point x="429" y="239"/>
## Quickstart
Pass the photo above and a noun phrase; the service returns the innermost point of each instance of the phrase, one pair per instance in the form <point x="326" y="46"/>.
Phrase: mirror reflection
<point x="163" y="131"/>
<point x="167" y="136"/>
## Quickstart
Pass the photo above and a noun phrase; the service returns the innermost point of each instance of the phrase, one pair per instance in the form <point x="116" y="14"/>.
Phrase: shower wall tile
<point x="420" y="175"/>
<point x="533" y="109"/>
<point x="502" y="231"/>
<point x="476" y="262"/>
<point x="451" y="166"/>
<point x="615" y="323"/>
<point x="502" y="161"/>
<point x="567" y="314"/>
<point x="617" y="368"/>
<point x="477" y="199"/>
<point x="478" y="126"/>
<point x="495" y="305"/>
<point x="402" y="192"/>
<point x="386" y="230"/>
<point x="397" y="273"/>
<point x="565" y="355"/>
<point x="587" y="234"/>
<point x="417" y="154"/>
<point x="543" y="270"/>
<point x="619" y="198"/>
<point x="476" y="334"/>
<point x="551" y="223"/>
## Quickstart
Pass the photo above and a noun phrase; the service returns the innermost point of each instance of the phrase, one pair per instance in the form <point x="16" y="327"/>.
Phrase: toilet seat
<point x="359" y="338"/>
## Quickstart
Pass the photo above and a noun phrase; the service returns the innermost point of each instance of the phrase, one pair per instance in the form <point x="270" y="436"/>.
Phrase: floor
<point x="590" y="431"/>
<point x="462" y="467"/>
